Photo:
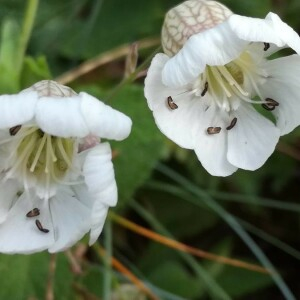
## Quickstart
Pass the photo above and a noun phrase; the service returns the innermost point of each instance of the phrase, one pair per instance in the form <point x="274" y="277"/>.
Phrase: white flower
<point x="57" y="180"/>
<point x="210" y="95"/>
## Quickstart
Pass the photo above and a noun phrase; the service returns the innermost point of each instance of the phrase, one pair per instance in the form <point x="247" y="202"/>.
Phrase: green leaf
<point x="63" y="279"/>
<point x="23" y="276"/>
<point x="34" y="69"/>
<point x="172" y="276"/>
<point x="139" y="153"/>
<point x="238" y="282"/>
<point x="9" y="76"/>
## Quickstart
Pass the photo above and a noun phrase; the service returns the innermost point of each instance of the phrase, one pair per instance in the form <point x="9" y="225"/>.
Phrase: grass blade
<point x="213" y="288"/>
<point x="232" y="222"/>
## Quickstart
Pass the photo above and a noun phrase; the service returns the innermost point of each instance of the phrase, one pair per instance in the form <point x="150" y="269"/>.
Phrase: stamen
<point x="48" y="153"/>
<point x="232" y="124"/>
<point x="266" y="46"/>
<point x="23" y="157"/>
<point x="172" y="105"/>
<point x="213" y="130"/>
<point x="220" y="81"/>
<point x="226" y="74"/>
<point x="19" y="136"/>
<point x="205" y="89"/>
<point x="14" y="130"/>
<point x="38" y="153"/>
<point x="50" y="148"/>
<point x="271" y="102"/>
<point x="268" y="108"/>
<point x="40" y="227"/>
<point x="33" y="213"/>
<point x="63" y="153"/>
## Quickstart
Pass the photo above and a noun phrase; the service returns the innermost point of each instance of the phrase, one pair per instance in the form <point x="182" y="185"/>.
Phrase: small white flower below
<point x="57" y="180"/>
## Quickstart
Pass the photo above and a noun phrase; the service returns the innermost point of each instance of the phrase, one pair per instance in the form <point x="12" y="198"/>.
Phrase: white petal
<point x="283" y="85"/>
<point x="102" y="120"/>
<point x="269" y="30"/>
<point x="176" y="124"/>
<point x="71" y="220"/>
<point x="286" y="33"/>
<point x="212" y="149"/>
<point x="100" y="179"/>
<point x="17" y="109"/>
<point x="8" y="195"/>
<point x="215" y="46"/>
<point x="82" y="194"/>
<point x="19" y="234"/>
<point x="61" y="117"/>
<point x="99" y="210"/>
<point x="6" y="148"/>
<point x="99" y="215"/>
<point x="254" y="30"/>
<point x="252" y="140"/>
<point x="99" y="174"/>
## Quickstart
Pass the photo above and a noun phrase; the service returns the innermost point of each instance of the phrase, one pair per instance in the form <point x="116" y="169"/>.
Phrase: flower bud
<point x="188" y="18"/>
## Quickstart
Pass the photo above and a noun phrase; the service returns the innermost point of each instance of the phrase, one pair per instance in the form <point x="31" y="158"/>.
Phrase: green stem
<point x="107" y="260"/>
<point x="30" y="14"/>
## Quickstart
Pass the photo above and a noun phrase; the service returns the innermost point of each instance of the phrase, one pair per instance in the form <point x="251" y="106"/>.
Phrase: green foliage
<point x="23" y="276"/>
<point x="34" y="70"/>
<point x="136" y="156"/>
<point x="178" y="199"/>
<point x="9" y="73"/>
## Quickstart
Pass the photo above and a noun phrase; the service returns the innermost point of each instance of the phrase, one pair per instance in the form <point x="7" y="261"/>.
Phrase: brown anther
<point x="232" y="124"/>
<point x="271" y="102"/>
<point x="33" y="213"/>
<point x="213" y="130"/>
<point x="40" y="227"/>
<point x="14" y="130"/>
<point x="172" y="105"/>
<point x="267" y="46"/>
<point x="205" y="89"/>
<point x="267" y="107"/>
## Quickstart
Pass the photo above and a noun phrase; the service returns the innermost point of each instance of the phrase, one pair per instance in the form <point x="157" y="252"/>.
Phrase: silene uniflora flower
<point x="57" y="179"/>
<point x="216" y="92"/>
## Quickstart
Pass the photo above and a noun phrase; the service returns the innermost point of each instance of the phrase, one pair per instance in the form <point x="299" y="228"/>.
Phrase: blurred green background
<point x="250" y="216"/>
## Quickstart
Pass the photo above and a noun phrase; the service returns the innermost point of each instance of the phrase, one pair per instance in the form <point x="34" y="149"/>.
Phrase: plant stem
<point x="30" y="14"/>
<point x="107" y="260"/>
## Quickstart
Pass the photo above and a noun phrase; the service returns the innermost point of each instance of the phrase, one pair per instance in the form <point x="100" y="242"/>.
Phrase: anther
<point x="213" y="130"/>
<point x="14" y="130"/>
<point x="171" y="103"/>
<point x="270" y="104"/>
<point x="40" y="227"/>
<point x="267" y="46"/>
<point x="205" y="89"/>
<point x="232" y="124"/>
<point x="269" y="108"/>
<point x="33" y="213"/>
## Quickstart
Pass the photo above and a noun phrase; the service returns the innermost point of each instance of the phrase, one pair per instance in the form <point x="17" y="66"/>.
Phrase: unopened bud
<point x="50" y="88"/>
<point x="188" y="18"/>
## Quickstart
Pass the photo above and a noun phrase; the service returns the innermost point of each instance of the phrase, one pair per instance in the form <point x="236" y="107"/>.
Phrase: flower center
<point x="38" y="154"/>
<point x="231" y="83"/>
